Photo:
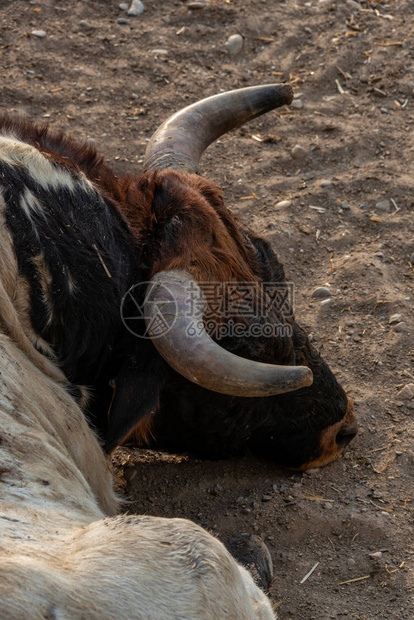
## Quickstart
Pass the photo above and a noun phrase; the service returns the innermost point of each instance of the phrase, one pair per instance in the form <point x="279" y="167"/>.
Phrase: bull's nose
<point x="346" y="435"/>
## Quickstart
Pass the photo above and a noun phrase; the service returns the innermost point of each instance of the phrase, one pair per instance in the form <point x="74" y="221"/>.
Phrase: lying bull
<point x="83" y="237"/>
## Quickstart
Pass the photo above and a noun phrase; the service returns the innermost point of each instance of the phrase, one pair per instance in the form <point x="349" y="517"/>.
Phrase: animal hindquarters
<point x="152" y="568"/>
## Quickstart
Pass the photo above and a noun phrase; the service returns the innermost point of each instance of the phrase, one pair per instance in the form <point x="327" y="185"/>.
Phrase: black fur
<point x="71" y="231"/>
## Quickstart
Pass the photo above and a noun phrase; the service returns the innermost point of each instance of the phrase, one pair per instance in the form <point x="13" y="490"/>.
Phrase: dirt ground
<point x="353" y="72"/>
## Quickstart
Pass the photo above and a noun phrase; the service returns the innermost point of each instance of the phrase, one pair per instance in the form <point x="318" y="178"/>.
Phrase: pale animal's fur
<point x="61" y="556"/>
<point x="13" y="151"/>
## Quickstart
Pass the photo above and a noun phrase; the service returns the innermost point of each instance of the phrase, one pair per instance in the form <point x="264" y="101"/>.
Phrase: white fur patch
<point x="15" y="152"/>
<point x="29" y="203"/>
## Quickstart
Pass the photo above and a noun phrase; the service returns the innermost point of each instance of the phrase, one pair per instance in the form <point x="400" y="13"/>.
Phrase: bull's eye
<point x="346" y="435"/>
<point x="208" y="240"/>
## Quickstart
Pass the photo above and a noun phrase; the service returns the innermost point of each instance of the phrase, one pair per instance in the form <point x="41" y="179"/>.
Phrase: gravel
<point x="400" y="327"/>
<point x="383" y="205"/>
<point x="234" y="44"/>
<point x="298" y="152"/>
<point x="136" y="8"/>
<point x="407" y="393"/>
<point x="322" y="292"/>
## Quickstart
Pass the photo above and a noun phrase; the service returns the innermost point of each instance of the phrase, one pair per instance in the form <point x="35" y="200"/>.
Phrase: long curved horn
<point x="188" y="348"/>
<point x="180" y="141"/>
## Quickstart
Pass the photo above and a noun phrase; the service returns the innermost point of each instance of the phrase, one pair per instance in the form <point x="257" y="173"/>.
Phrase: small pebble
<point x="383" y="205"/>
<point x="283" y="204"/>
<point x="321" y="293"/>
<point x="350" y="561"/>
<point x="384" y="111"/>
<point x="364" y="207"/>
<point x="407" y="393"/>
<point x="298" y="152"/>
<point x="345" y="205"/>
<point x="354" y="5"/>
<point x="327" y="505"/>
<point x="159" y="52"/>
<point x="234" y="44"/>
<point x="412" y="259"/>
<point x="266" y="498"/>
<point x="400" y="327"/>
<point x="326" y="302"/>
<point x="136" y="8"/>
<point x="326" y="183"/>
<point x="394" y="319"/>
<point x="379" y="93"/>
<point x="124" y="6"/>
<point x="297" y="103"/>
<point x="196" y="5"/>
<point x="39" y="33"/>
<point x="376" y="556"/>
<point x="84" y="24"/>
<point x="122" y="21"/>
<point x="217" y="489"/>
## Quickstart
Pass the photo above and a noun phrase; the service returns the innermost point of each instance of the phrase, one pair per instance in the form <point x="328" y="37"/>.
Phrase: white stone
<point x="234" y="44"/>
<point x="136" y="8"/>
<point x="196" y="5"/>
<point x="394" y="319"/>
<point x="159" y="52"/>
<point x="326" y="302"/>
<point x="283" y="204"/>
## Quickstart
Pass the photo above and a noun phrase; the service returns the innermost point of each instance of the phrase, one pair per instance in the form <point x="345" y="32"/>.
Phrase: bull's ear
<point x="137" y="391"/>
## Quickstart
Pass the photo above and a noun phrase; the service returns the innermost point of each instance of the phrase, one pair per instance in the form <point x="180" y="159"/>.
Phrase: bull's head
<point x="216" y="396"/>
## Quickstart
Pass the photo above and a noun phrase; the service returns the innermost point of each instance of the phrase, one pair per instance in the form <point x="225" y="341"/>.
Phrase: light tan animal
<point x="64" y="555"/>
